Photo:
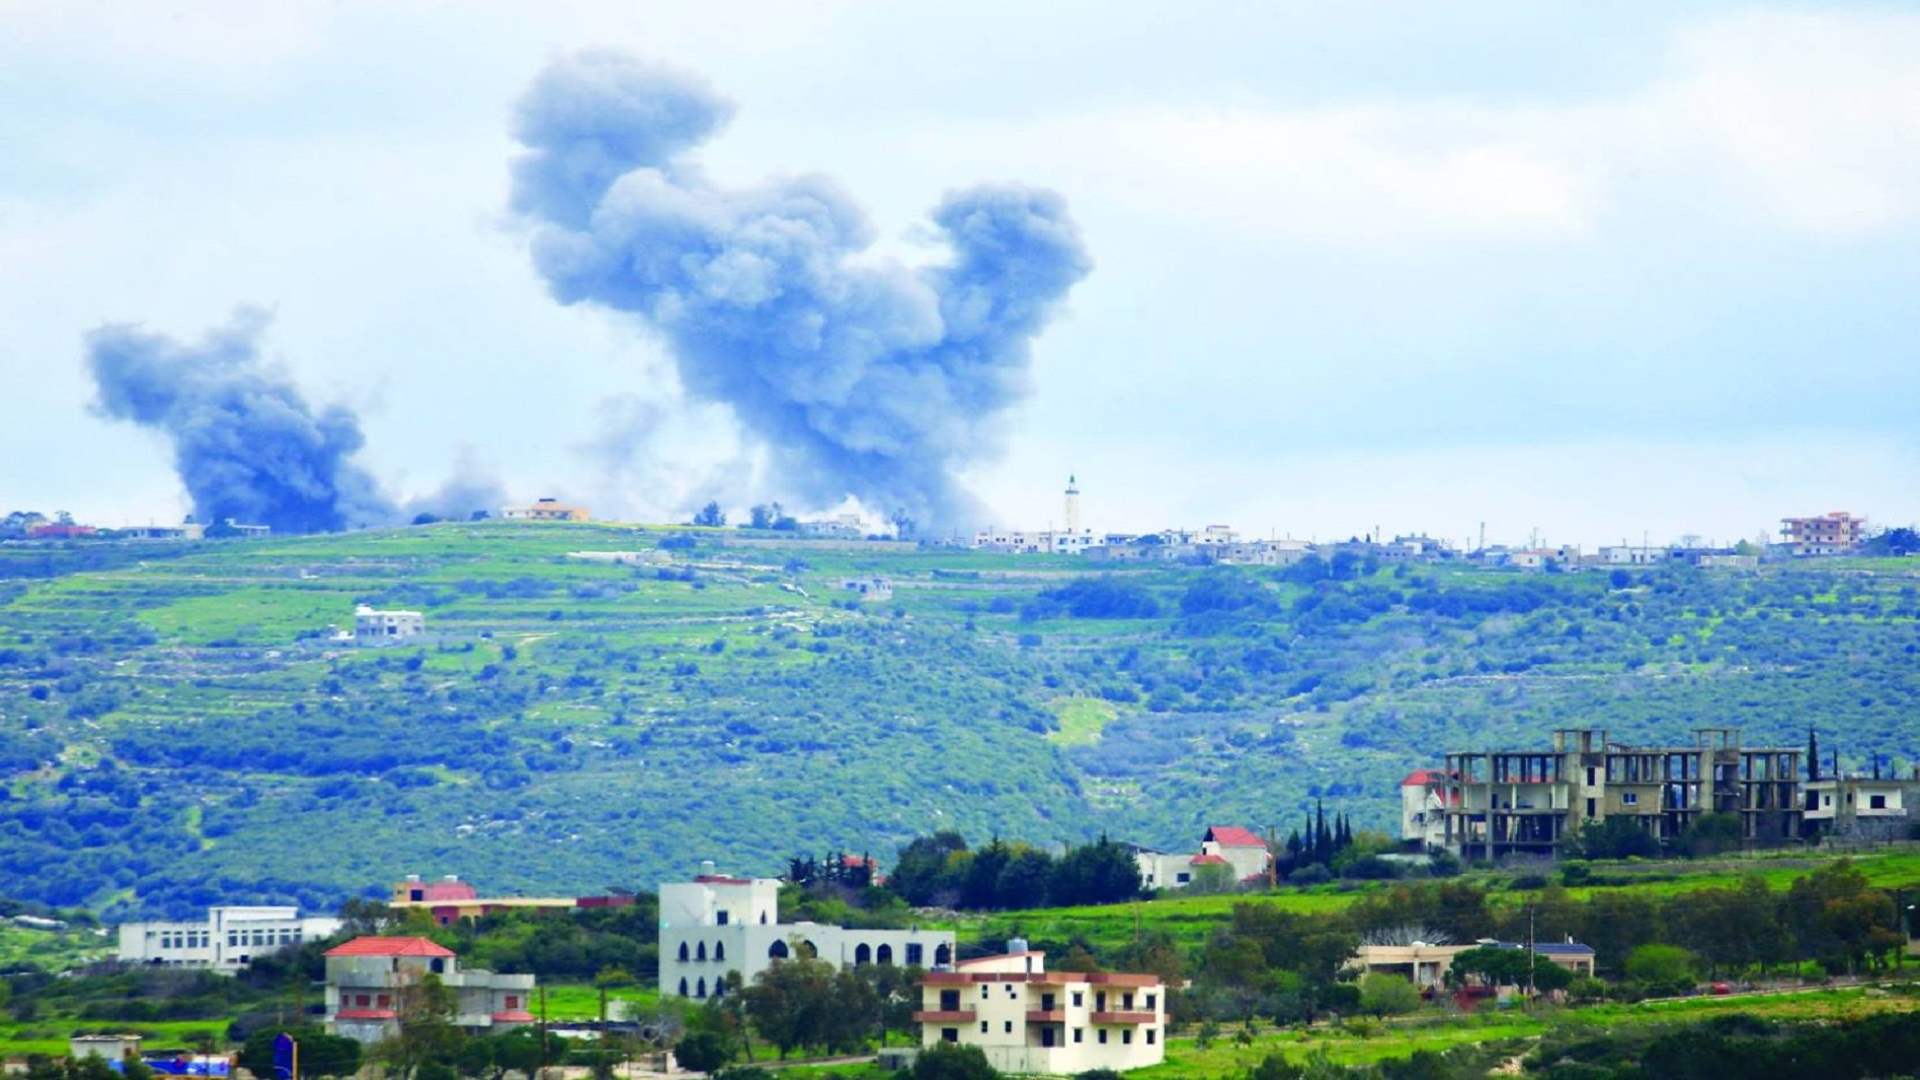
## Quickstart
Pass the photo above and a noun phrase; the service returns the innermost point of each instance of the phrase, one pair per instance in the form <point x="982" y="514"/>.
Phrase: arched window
<point x="807" y="951"/>
<point x="683" y="952"/>
<point x="862" y="955"/>
<point x="700" y="990"/>
<point x="943" y="955"/>
<point x="701" y="953"/>
<point x="719" y="950"/>
<point x="884" y="954"/>
<point x="683" y="987"/>
<point x="719" y="987"/>
<point x="777" y="951"/>
<point x="763" y="918"/>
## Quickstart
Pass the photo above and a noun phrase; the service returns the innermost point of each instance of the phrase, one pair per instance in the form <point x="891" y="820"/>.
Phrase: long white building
<point x="717" y="924"/>
<point x="226" y="940"/>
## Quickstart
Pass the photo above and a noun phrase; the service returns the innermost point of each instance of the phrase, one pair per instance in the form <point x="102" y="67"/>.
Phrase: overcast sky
<point x="1600" y="270"/>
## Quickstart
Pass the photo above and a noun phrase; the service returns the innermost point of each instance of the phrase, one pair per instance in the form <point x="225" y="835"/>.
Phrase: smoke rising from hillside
<point x="246" y="444"/>
<point x="875" y="380"/>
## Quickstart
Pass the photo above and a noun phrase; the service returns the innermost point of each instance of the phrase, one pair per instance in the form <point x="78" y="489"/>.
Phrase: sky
<point x="1586" y="272"/>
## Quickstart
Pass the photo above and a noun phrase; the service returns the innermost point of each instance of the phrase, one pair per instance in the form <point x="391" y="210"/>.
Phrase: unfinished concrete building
<point x="1533" y="802"/>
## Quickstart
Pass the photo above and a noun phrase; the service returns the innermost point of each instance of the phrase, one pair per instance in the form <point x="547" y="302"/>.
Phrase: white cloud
<point x="1809" y="121"/>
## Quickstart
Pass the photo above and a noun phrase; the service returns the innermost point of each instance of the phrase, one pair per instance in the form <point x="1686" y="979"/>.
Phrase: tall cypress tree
<point x="1322" y="838"/>
<point x="1813" y="755"/>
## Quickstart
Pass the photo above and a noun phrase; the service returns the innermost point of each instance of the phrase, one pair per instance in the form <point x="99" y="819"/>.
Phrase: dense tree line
<point x="940" y="871"/>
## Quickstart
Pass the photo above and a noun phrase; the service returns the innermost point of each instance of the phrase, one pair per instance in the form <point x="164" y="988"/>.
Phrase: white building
<point x="1026" y="1019"/>
<point x="1240" y="850"/>
<point x="373" y="627"/>
<point x="716" y="924"/>
<point x="839" y="527"/>
<point x="875" y="589"/>
<point x="1423" y="809"/>
<point x="226" y="940"/>
<point x="1633" y="555"/>
<point x="1071" y="539"/>
<point x="368" y="977"/>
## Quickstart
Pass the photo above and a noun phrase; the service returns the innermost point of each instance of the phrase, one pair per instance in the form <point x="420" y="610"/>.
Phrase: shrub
<point x="1311" y="874"/>
<point x="1384" y="994"/>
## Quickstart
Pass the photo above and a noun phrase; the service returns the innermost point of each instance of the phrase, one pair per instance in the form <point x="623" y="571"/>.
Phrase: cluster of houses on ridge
<point x="1836" y="533"/>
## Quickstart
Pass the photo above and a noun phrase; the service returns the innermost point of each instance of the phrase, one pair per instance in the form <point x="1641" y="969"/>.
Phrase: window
<point x="721" y="917"/>
<point x="1101" y="1035"/>
<point x="1126" y="1036"/>
<point x="719" y="950"/>
<point x="1150" y="1035"/>
<point x="916" y="952"/>
<point x="1078" y="999"/>
<point x="951" y="1035"/>
<point x="983" y="1027"/>
<point x="777" y="951"/>
<point x="1590" y="808"/>
<point x="1592" y="778"/>
<point x="1079" y="1035"/>
<point x="763" y="918"/>
<point x="685" y="955"/>
<point x="700" y="988"/>
<point x="1009" y="989"/>
<point x="1046" y="1036"/>
<point x="883" y="955"/>
<point x="683" y="986"/>
<point x="513" y="1001"/>
<point x="701" y="952"/>
<point x="985" y="990"/>
<point x="1009" y="1027"/>
<point x="438" y="964"/>
<point x="1876" y="802"/>
<point x="1151" y="1000"/>
<point x="1183" y="877"/>
<point x="1126" y="1001"/>
<point x="1629" y="798"/>
<point x="1100" y="1001"/>
<point x="949" y="1000"/>
<point x="362" y="1000"/>
<point x="384" y="1001"/>
<point x="862" y="955"/>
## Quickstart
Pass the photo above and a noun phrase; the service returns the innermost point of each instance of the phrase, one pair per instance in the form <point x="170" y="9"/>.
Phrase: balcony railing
<point x="944" y="1016"/>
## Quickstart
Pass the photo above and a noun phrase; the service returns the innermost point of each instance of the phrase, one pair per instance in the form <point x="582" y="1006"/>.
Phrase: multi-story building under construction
<point x="1533" y="802"/>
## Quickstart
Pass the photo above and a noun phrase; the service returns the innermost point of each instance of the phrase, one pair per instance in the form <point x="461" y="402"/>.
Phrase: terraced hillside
<point x="177" y="723"/>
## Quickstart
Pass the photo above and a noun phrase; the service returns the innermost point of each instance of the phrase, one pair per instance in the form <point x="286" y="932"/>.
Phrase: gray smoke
<point x="246" y="444"/>
<point x="871" y="380"/>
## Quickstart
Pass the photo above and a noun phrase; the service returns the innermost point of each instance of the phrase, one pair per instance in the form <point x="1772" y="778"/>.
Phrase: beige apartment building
<point x="1029" y="1020"/>
<point x="1834" y="533"/>
<point x="1532" y="802"/>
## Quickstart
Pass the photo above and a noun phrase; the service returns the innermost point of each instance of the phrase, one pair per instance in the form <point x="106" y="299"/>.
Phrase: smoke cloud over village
<point x="863" y="378"/>
<point x="246" y="444"/>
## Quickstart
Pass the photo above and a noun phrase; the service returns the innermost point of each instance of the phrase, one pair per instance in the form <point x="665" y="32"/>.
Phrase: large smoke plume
<point x="863" y="378"/>
<point x="246" y="444"/>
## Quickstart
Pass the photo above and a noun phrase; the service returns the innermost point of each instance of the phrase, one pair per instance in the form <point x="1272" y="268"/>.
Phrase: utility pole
<point x="1530" y="952"/>
<point x="543" y="1031"/>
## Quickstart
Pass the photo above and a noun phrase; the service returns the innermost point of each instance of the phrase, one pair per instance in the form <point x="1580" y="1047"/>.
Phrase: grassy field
<point x="1189" y="919"/>
<point x="23" y="947"/>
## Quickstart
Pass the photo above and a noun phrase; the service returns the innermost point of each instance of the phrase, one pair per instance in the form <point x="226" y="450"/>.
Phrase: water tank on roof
<point x="1016" y="945"/>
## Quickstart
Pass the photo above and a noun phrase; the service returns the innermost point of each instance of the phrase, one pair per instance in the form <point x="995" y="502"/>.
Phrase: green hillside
<point x="176" y="725"/>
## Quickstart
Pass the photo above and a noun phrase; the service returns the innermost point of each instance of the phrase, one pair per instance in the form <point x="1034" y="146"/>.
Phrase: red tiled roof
<point x="390" y="946"/>
<point x="1234" y="836"/>
<point x="1422" y="777"/>
<point x="513" y="1016"/>
<point x="364" y="1014"/>
<point x="1206" y="860"/>
<point x="449" y="890"/>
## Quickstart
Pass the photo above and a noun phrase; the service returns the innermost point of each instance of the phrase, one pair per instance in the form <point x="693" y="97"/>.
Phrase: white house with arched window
<point x="717" y="924"/>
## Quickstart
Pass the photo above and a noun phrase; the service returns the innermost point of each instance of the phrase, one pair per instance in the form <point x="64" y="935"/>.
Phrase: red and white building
<point x="1029" y="1020"/>
<point x="1241" y="850"/>
<point x="370" y="978"/>
<point x="450" y="899"/>
<point x="1423" y="809"/>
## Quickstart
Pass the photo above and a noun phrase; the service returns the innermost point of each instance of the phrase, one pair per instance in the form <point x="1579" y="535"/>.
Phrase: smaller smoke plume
<point x="472" y="487"/>
<point x="246" y="444"/>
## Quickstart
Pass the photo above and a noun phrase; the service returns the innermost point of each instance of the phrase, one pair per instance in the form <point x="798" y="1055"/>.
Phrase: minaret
<point x="1073" y="507"/>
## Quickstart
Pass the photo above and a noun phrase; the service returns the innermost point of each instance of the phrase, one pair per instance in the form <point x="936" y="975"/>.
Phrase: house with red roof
<point x="1241" y="850"/>
<point x="373" y="981"/>
<point x="450" y="900"/>
<point x="1423" y="809"/>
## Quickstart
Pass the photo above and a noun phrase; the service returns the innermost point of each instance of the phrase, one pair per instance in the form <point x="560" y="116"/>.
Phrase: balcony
<point x="944" y="1016"/>
<point x="1125" y="1017"/>
<point x="1046" y="1016"/>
